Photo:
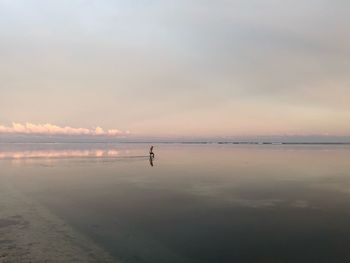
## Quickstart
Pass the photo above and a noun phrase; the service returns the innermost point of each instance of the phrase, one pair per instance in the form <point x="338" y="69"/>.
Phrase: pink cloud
<point x="50" y="129"/>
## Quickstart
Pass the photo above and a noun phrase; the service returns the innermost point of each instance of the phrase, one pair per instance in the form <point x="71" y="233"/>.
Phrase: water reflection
<point x="37" y="153"/>
<point x="199" y="203"/>
<point x="51" y="154"/>
<point x="151" y="158"/>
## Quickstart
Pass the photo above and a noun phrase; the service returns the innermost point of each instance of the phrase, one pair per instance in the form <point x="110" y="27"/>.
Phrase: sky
<point x="175" y="68"/>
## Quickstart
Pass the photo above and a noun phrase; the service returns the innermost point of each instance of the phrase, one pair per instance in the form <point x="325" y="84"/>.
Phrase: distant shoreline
<point x="189" y="142"/>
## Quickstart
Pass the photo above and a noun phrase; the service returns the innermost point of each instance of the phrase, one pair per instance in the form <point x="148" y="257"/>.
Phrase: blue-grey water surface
<point x="197" y="203"/>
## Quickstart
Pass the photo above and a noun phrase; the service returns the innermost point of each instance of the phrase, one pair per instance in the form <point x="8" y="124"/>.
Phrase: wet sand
<point x="30" y="233"/>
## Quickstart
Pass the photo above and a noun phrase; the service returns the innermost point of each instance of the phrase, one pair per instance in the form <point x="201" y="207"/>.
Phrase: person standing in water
<point x="151" y="154"/>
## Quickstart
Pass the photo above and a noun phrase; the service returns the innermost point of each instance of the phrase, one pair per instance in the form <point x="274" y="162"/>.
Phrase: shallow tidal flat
<point x="191" y="204"/>
<point x="30" y="233"/>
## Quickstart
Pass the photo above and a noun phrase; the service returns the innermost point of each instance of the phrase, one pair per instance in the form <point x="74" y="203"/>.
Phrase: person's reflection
<point x="151" y="158"/>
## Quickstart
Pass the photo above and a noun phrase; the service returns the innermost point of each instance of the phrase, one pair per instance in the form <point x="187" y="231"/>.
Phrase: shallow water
<point x="197" y="203"/>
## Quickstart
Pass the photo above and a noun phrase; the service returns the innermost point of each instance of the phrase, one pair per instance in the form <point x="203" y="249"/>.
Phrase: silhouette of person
<point x="151" y="153"/>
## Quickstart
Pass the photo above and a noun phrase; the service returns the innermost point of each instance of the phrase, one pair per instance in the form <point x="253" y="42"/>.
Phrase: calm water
<point x="197" y="203"/>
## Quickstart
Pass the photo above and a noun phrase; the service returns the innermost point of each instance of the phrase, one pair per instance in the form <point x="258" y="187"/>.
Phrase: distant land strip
<point x="183" y="142"/>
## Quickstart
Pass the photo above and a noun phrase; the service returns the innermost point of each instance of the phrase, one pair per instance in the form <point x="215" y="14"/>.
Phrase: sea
<point x="192" y="202"/>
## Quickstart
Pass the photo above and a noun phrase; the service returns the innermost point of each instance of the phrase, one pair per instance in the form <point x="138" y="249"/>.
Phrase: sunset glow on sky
<point x="175" y="68"/>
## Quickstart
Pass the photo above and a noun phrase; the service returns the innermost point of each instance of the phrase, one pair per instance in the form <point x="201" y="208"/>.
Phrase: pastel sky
<point x="161" y="67"/>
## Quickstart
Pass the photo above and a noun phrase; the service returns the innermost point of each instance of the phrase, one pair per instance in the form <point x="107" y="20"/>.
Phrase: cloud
<point x="51" y="129"/>
<point x="178" y="67"/>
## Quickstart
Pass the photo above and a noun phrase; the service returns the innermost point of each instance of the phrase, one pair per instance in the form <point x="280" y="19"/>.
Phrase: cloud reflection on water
<point x="53" y="154"/>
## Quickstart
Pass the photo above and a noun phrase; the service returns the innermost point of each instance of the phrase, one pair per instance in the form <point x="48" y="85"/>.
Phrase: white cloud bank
<point x="50" y="129"/>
